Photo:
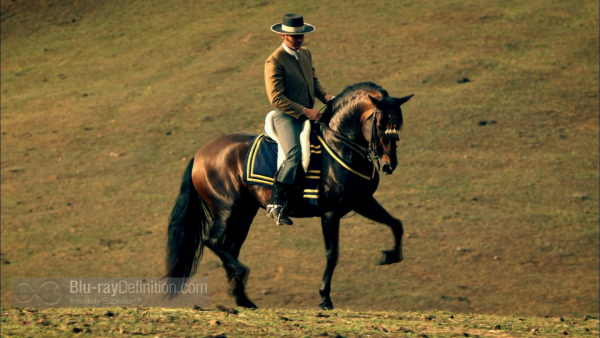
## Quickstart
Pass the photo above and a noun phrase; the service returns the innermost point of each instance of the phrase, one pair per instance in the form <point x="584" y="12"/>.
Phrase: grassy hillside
<point x="104" y="103"/>
<point x="226" y="322"/>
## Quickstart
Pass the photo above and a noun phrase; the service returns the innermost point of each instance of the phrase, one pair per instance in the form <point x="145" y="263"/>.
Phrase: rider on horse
<point x="291" y="85"/>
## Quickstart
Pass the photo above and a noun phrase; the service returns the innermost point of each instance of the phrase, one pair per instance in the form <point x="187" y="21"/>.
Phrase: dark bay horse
<point x="216" y="208"/>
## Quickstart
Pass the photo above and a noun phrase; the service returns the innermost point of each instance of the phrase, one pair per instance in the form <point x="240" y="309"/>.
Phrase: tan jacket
<point x="290" y="85"/>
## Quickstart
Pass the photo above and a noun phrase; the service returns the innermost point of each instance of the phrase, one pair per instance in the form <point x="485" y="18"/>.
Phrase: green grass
<point x="153" y="81"/>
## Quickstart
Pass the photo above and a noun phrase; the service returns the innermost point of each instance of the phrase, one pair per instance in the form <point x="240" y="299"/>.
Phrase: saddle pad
<point x="261" y="165"/>
<point x="261" y="162"/>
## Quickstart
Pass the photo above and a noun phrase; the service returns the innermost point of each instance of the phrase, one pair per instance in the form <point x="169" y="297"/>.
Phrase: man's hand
<point x="328" y="97"/>
<point x="312" y="114"/>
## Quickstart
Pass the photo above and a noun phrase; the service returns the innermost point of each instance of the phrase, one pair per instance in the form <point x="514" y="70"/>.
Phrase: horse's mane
<point x="351" y="98"/>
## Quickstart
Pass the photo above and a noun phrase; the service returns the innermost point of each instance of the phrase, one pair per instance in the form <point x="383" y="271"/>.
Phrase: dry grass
<point x="101" y="104"/>
<point x="226" y="322"/>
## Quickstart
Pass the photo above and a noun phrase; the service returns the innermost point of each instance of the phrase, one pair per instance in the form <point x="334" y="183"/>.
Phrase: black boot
<point x="276" y="209"/>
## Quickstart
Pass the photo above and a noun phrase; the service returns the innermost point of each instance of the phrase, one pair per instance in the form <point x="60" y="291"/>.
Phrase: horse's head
<point x="365" y="113"/>
<point x="380" y="127"/>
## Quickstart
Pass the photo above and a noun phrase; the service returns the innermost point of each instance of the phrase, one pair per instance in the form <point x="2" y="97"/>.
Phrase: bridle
<point x="373" y="152"/>
<point x="374" y="144"/>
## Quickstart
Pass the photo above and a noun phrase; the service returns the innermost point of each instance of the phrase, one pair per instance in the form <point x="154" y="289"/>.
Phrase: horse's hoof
<point x="248" y="304"/>
<point x="390" y="257"/>
<point x="323" y="306"/>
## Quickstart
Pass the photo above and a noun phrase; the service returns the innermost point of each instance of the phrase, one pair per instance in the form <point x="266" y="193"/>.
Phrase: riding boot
<point x="276" y="209"/>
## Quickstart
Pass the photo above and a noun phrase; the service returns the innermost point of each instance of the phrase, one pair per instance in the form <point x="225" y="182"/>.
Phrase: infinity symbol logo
<point x="49" y="292"/>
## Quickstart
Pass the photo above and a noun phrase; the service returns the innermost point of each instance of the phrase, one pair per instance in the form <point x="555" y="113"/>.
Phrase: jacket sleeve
<point x="274" y="82"/>
<point x="320" y="91"/>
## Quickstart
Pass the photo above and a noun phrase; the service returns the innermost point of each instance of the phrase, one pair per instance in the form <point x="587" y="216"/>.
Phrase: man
<point x="291" y="87"/>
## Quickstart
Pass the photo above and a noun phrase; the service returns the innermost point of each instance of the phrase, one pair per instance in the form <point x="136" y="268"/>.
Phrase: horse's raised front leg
<point x="331" y="234"/>
<point x="372" y="210"/>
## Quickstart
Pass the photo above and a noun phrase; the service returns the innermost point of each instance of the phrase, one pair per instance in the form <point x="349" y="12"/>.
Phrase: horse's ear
<point x="376" y="102"/>
<point x="402" y="100"/>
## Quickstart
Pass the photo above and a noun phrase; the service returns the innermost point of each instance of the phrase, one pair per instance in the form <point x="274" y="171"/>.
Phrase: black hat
<point x="293" y="24"/>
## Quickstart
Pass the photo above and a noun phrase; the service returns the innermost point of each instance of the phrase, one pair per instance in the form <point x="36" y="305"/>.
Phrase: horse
<point x="215" y="208"/>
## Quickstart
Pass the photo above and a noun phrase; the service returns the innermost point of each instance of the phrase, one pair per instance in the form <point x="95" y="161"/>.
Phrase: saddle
<point x="304" y="140"/>
<point x="265" y="156"/>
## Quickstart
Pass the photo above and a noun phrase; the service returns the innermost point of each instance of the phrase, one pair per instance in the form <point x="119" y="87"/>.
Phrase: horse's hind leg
<point x="225" y="240"/>
<point x="371" y="209"/>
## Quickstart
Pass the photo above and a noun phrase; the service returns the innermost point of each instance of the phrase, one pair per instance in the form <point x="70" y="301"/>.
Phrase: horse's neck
<point x="348" y="124"/>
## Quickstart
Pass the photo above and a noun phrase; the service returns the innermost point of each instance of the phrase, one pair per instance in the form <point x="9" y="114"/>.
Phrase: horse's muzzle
<point x="387" y="164"/>
<point x="387" y="169"/>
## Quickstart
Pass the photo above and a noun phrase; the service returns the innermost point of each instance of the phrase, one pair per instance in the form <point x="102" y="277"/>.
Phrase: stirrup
<point x="271" y="208"/>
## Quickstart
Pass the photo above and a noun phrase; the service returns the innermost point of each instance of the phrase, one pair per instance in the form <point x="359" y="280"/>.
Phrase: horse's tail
<point x="189" y="223"/>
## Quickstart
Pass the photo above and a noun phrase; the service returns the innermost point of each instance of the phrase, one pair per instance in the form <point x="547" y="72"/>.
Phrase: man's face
<point x="293" y="41"/>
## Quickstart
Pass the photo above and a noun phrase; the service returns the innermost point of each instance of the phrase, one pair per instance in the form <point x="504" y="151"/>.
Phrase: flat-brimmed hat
<point x="293" y="24"/>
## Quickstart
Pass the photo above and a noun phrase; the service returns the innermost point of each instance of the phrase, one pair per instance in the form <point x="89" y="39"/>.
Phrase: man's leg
<point x="288" y="131"/>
